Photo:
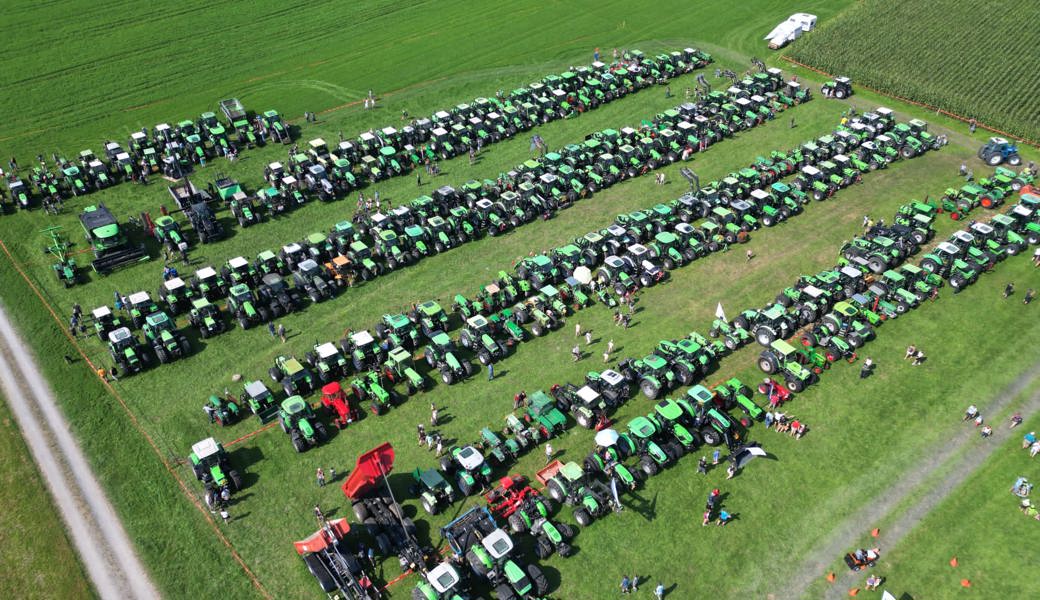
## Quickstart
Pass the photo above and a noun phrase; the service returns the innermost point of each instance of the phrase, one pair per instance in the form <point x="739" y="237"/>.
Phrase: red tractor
<point x="339" y="405"/>
<point x="528" y="511"/>
<point x="505" y="498"/>
<point x="775" y="391"/>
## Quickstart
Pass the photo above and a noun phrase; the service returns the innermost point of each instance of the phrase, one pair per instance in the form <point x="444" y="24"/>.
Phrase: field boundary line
<point x="936" y="109"/>
<point x="140" y="429"/>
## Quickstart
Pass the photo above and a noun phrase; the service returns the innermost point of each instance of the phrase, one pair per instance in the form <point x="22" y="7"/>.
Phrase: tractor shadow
<point x="195" y="339"/>
<point x="244" y="457"/>
<point x="643" y="507"/>
<point x="552" y="576"/>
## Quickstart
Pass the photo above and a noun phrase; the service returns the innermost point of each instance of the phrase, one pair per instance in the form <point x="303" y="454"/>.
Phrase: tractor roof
<point x="307" y="265"/>
<point x="759" y="194"/>
<point x="812" y="291"/>
<point x="430" y="308"/>
<point x="642" y="427"/>
<point x="948" y="248"/>
<point x="119" y="335"/>
<point x="157" y="319"/>
<point x="257" y="389"/>
<point x="326" y="350"/>
<point x="101" y="312"/>
<point x="317" y="143"/>
<point x="782" y="347"/>
<point x="810" y="170"/>
<point x="361" y="338"/>
<point x="315" y="239"/>
<point x="962" y="236"/>
<point x="206" y="448"/>
<point x="851" y="272"/>
<point x="700" y="394"/>
<point x="240" y="289"/>
<point x="397" y="321"/>
<point x="206" y="272"/>
<point x="669" y="409"/>
<point x="665" y="237"/>
<point x="548" y="291"/>
<point x="238" y="262"/>
<point x="443" y="578"/>
<point x="587" y="394"/>
<point x="172" y="285"/>
<point x="655" y="362"/>
<point x="439" y="338"/>
<point x="469" y="458"/>
<point x="294" y="405"/>
<point x="477" y="321"/>
<point x="740" y="205"/>
<point x="139" y="298"/>
<point x="200" y="303"/>
<point x="774" y="312"/>
<point x="497" y="543"/>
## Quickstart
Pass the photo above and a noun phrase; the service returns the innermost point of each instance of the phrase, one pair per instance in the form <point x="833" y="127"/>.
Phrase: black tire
<point x="767" y="364"/>
<point x="541" y="584"/>
<point x="556" y="492"/>
<point x="648" y="466"/>
<point x="582" y="517"/>
<point x="504" y="592"/>
<point x="795" y="385"/>
<point x="236" y="480"/>
<point x="543" y="548"/>
<point x="517" y="524"/>
<point x="649" y="389"/>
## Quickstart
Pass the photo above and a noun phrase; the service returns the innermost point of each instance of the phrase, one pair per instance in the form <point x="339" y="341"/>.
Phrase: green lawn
<point x="39" y="561"/>
<point x="784" y="507"/>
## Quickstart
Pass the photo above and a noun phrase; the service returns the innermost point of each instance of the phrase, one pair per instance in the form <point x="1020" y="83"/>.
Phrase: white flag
<point x="719" y="313"/>
<point x="886" y="595"/>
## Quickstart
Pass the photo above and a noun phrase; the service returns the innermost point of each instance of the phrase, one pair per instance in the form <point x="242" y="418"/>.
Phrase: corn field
<point x="976" y="59"/>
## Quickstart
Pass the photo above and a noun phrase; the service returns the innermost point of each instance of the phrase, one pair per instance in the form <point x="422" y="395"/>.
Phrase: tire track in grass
<point x="845" y="534"/>
<point x="90" y="520"/>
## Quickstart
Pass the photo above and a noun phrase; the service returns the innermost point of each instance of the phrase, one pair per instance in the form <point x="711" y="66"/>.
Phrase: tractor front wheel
<point x="582" y="517"/>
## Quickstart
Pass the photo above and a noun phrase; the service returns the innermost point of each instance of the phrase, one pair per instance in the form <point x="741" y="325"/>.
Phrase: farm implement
<point x="111" y="246"/>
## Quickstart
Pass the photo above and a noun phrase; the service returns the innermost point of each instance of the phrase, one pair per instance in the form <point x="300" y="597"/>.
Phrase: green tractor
<point x="430" y="317"/>
<point x="365" y="354"/>
<point x="782" y="358"/>
<point x="243" y="306"/>
<point x="292" y="375"/>
<point x="399" y="366"/>
<point x="652" y="373"/>
<point x="442" y="582"/>
<point x="487" y="550"/>
<point x="469" y="468"/>
<point x="299" y="421"/>
<point x="206" y="318"/>
<point x="166" y="342"/>
<point x="947" y="261"/>
<point x="109" y="242"/>
<point x="260" y="400"/>
<point x="433" y="490"/>
<point x="591" y="496"/>
<point x="126" y="351"/>
<point x="327" y="362"/>
<point x="839" y="87"/>
<point x="584" y="403"/>
<point x="176" y="295"/>
<point x="65" y="267"/>
<point x="167" y="232"/>
<point x="651" y="446"/>
<point x="399" y="331"/>
<point x="223" y="411"/>
<point x="735" y="394"/>
<point x="442" y="355"/>
<point x="211" y="465"/>
<point x="476" y="335"/>
<point x="687" y="359"/>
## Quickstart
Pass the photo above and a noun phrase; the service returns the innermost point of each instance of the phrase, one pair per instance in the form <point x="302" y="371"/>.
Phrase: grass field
<point x="784" y="508"/>
<point x="914" y="60"/>
<point x="39" y="562"/>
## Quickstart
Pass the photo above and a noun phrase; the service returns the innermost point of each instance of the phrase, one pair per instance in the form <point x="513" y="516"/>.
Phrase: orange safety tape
<point x="251" y="434"/>
<point x="137" y="425"/>
<point x="921" y="104"/>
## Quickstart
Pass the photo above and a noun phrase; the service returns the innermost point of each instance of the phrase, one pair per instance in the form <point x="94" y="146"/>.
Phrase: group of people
<point x="431" y="440"/>
<point x="785" y="424"/>
<point x="713" y="510"/>
<point x="1030" y="442"/>
<point x="915" y="353"/>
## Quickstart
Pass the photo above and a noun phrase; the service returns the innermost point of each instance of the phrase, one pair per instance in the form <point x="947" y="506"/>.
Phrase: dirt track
<point x="90" y="521"/>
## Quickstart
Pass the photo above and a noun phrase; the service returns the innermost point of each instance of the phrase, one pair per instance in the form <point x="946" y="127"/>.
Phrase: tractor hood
<point x="368" y="471"/>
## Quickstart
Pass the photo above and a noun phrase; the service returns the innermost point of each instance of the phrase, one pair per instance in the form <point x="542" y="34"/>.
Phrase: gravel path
<point x="844" y="535"/>
<point x="90" y="521"/>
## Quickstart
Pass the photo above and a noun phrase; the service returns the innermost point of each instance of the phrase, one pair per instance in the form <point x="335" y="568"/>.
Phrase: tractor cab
<point x="125" y="350"/>
<point x="839" y="87"/>
<point x="258" y="397"/>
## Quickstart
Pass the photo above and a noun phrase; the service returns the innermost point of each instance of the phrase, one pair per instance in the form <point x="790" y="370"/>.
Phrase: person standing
<point x="715" y="457"/>
<point x="606" y="357"/>
<point x="1009" y="289"/>
<point x="1030" y="294"/>
<point x="635" y="583"/>
<point x="576" y="352"/>
<point x="626" y="585"/>
<point x="865" y="370"/>
<point x="577" y="330"/>
<point x="271" y="330"/>
<point x="659" y="591"/>
<point x="595" y="55"/>
<point x="320" y="475"/>
<point x="610" y="346"/>
<point x="433" y="414"/>
<point x="972" y="125"/>
<point x="588" y="338"/>
<point x="491" y="372"/>
<point x="702" y="465"/>
<point x="548" y="452"/>
<point x="281" y="332"/>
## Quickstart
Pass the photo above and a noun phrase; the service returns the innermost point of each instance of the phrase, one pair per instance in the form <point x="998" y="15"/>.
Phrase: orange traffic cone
<point x="853" y="591"/>
<point x="965" y="583"/>
<point x="875" y="532"/>
<point x="953" y="561"/>
<point x="830" y="577"/>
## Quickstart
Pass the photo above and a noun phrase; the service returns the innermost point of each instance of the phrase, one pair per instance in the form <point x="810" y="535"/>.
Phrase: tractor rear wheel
<point x="383" y="542"/>
<point x="236" y="480"/>
<point x="768" y="364"/>
<point x="447" y="376"/>
<point x="543" y="548"/>
<point x="468" y="368"/>
<point x="582" y="517"/>
<point x="465" y="487"/>
<point x="994" y="159"/>
<point x="298" y="443"/>
<point x="537" y="329"/>
<point x="484" y="357"/>
<point x="516" y="523"/>
<point x="649" y="389"/>
<point x="556" y="492"/>
<point x="431" y="507"/>
<point x="541" y="584"/>
<point x="160" y="353"/>
<point x="648" y="466"/>
<point x="711" y="437"/>
<point x="765" y="335"/>
<point x="505" y="592"/>
<point x="876" y="264"/>
<point x="795" y="384"/>
<point x="1014" y="160"/>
